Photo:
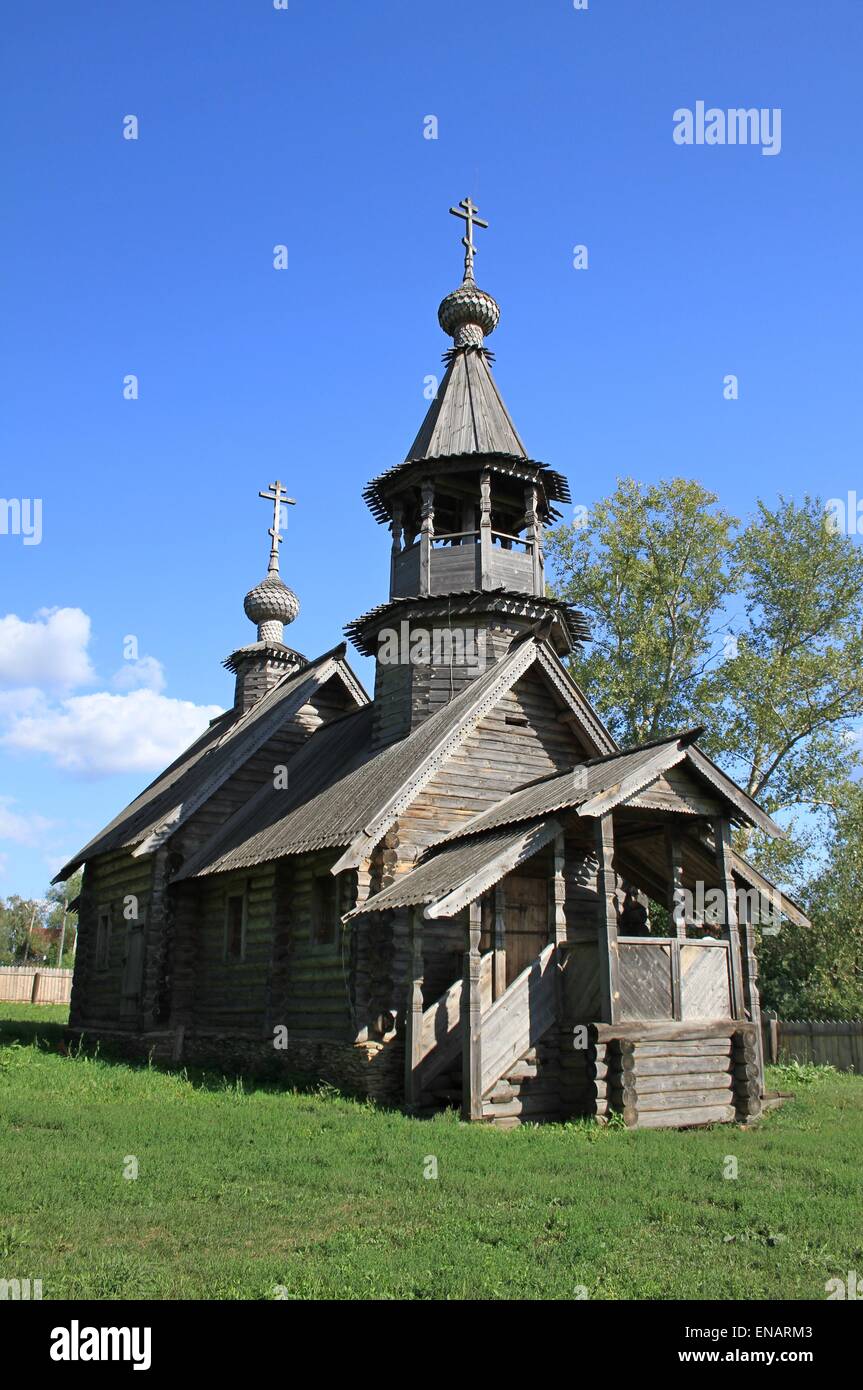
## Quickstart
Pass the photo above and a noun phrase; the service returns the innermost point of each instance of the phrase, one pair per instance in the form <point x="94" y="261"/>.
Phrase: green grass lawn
<point x="243" y="1190"/>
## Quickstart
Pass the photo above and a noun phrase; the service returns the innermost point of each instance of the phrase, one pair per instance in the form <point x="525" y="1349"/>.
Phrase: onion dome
<point x="468" y="314"/>
<point x="271" y="604"/>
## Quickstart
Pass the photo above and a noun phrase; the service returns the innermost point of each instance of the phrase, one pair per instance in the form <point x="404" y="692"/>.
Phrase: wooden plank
<point x="678" y="1119"/>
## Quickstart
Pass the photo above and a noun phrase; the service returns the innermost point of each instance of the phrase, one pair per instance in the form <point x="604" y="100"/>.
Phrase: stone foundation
<point x="369" y="1069"/>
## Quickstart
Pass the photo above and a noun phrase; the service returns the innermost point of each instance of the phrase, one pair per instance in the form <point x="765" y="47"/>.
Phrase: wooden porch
<point x="662" y="1029"/>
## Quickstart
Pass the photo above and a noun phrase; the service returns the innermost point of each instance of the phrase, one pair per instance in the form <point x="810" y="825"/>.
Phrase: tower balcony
<point x="468" y="560"/>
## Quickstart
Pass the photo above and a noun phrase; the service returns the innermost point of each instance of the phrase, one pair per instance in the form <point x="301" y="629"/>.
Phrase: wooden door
<point x="526" y="922"/>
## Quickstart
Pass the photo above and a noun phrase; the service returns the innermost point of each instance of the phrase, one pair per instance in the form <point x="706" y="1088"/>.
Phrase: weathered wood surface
<point x="837" y="1043"/>
<point x="520" y="1017"/>
<point x="441" y="1025"/>
<point x="683" y="1118"/>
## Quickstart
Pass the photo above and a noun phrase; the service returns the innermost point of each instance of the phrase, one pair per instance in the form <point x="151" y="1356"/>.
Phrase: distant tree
<point x="20" y="928"/>
<point x="817" y="972"/>
<point x="652" y="569"/>
<point x="781" y="712"/>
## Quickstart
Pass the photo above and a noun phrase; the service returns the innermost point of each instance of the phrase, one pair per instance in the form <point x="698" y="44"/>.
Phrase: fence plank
<point x="34" y="984"/>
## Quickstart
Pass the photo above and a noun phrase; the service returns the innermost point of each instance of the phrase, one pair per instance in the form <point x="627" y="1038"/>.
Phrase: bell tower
<point x="466" y="511"/>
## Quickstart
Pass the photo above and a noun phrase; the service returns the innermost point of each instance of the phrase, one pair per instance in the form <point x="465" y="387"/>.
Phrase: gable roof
<point x="600" y="784"/>
<point x="228" y="742"/>
<point x="362" y="790"/>
<point x="362" y="796"/>
<point x="449" y="878"/>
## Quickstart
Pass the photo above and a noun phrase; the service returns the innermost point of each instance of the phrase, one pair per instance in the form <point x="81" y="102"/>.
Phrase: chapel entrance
<point x="526" y="922"/>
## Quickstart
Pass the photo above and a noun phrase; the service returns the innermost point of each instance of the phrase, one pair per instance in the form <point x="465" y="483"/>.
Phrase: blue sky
<point x="304" y="127"/>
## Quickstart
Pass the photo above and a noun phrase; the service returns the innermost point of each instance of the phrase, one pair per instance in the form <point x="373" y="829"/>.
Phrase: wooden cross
<point x="468" y="210"/>
<point x="279" y="498"/>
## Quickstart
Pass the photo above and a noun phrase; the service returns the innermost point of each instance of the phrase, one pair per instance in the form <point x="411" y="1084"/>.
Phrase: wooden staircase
<point x="519" y="1046"/>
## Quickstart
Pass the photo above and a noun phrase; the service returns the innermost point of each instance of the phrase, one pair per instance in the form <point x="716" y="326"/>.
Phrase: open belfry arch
<point x="440" y="895"/>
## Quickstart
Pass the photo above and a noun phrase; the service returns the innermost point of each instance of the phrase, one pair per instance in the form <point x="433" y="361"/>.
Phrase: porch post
<point x="499" y="976"/>
<point x="414" y="1014"/>
<point x="609" y="960"/>
<point x="557" y="896"/>
<point x="752" y="998"/>
<point x="471" y="1013"/>
<point x="722" y="835"/>
<point x="675" y="866"/>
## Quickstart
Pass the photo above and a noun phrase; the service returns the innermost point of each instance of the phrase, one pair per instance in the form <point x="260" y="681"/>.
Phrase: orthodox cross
<point x="468" y="210"/>
<point x="279" y="498"/>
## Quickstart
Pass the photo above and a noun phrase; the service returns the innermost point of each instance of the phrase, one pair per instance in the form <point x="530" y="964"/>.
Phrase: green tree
<point x="817" y="971"/>
<point x="20" y="929"/>
<point x="781" y="713"/>
<point x="652" y="571"/>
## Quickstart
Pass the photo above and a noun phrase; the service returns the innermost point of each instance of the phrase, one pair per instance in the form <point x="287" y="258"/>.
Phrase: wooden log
<point x="674" y="1066"/>
<point x="665" y="1031"/>
<point x="524" y="1105"/>
<point x="712" y="1047"/>
<point x="747" y="1071"/>
<point x="679" y="1119"/>
<point x="683" y="1100"/>
<point x="701" y="1081"/>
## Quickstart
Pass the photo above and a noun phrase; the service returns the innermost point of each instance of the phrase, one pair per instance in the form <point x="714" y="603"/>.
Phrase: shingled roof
<point x="342" y="791"/>
<point x="467" y="416"/>
<point x="458" y="873"/>
<point x="224" y="747"/>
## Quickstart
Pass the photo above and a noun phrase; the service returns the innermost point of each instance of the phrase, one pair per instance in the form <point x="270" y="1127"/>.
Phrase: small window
<point x="103" y="939"/>
<point x="235" y="926"/>
<point x="324" y="910"/>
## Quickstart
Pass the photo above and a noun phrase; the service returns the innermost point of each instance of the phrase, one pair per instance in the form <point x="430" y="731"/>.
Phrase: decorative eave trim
<point x="500" y="602"/>
<point x="508" y="670"/>
<point x="592" y="725"/>
<point x="743" y="803"/>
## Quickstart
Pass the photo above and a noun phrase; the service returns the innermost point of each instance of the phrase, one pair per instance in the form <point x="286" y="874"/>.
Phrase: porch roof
<point x="448" y="879"/>
<point x="598" y="785"/>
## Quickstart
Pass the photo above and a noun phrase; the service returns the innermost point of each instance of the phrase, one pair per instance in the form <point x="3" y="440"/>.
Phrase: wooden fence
<point x="34" y="984"/>
<point x="839" y="1043"/>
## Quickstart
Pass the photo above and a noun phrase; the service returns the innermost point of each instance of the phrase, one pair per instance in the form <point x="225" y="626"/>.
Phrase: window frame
<point x="228" y="957"/>
<point x="316" y="916"/>
<point x="104" y="932"/>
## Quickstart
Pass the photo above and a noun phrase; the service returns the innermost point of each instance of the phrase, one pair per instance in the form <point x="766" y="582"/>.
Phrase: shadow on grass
<point x="52" y="1038"/>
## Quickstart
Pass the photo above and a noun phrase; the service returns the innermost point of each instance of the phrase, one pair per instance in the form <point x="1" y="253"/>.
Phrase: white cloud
<point x="50" y="651"/>
<point x="146" y="673"/>
<point x="21" y="829"/>
<point x="141" y="731"/>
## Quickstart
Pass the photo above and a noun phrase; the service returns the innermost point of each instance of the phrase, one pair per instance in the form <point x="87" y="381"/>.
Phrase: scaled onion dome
<point x="271" y="604"/>
<point x="468" y="314"/>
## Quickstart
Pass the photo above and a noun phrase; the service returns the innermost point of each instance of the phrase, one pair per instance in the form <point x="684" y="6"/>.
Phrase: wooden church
<point x="440" y="895"/>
